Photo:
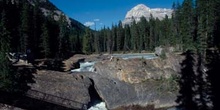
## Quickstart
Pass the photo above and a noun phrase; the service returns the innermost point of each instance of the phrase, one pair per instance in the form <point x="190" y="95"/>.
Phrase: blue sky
<point x="100" y="13"/>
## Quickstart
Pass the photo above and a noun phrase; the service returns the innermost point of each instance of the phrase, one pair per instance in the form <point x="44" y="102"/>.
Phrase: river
<point x="89" y="66"/>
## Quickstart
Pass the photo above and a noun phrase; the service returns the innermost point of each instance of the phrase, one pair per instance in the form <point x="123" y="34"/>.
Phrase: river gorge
<point x="110" y="82"/>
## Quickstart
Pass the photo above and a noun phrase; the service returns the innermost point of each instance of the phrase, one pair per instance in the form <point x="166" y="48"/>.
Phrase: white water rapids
<point x="89" y="66"/>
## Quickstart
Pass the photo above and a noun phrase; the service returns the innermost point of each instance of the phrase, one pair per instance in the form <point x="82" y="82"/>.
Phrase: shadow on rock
<point x="51" y="64"/>
<point x="187" y="83"/>
<point x="24" y="76"/>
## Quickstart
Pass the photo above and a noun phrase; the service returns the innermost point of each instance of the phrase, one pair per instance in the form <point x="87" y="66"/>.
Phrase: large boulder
<point x="59" y="87"/>
<point x="116" y="93"/>
<point x="137" y="81"/>
<point x="139" y="70"/>
<point x="159" y="51"/>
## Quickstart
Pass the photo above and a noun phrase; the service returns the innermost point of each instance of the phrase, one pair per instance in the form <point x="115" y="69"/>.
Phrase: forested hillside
<point x="35" y="28"/>
<point x="40" y="27"/>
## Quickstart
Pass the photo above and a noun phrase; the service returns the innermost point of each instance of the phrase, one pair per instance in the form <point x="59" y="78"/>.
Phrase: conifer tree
<point x="202" y="31"/>
<point x="127" y="41"/>
<point x="45" y="45"/>
<point x="25" y="27"/>
<point x="63" y="38"/>
<point x="109" y="41"/>
<point x="120" y="36"/>
<point x="114" y="37"/>
<point x="134" y="36"/>
<point x="6" y="76"/>
<point x="87" y="47"/>
<point x="187" y="25"/>
<point x="36" y="28"/>
<point x="151" y="38"/>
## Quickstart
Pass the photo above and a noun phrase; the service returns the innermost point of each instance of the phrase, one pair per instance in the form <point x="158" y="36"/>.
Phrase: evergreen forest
<point x="193" y="29"/>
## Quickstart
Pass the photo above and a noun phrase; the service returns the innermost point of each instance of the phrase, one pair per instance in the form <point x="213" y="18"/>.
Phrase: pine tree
<point x="96" y="42"/>
<point x="215" y="15"/>
<point x="25" y="27"/>
<point x="36" y="28"/>
<point x="187" y="83"/>
<point x="74" y="41"/>
<point x="202" y="31"/>
<point x="176" y="22"/>
<point x="63" y="38"/>
<point x="143" y="33"/>
<point x="6" y="76"/>
<point x="87" y="47"/>
<point x="114" y="37"/>
<point x="45" y="45"/>
<point x="127" y="41"/>
<point x="152" y="36"/>
<point x="134" y="36"/>
<point x="187" y="25"/>
<point x="120" y="36"/>
<point x="109" y="41"/>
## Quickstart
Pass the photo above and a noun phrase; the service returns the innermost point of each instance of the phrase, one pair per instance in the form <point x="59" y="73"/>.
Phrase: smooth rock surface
<point x="60" y="84"/>
<point x="117" y="93"/>
<point x="137" y="81"/>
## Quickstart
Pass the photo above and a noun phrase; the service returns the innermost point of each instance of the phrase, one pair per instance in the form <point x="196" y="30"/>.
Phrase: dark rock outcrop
<point x="59" y="87"/>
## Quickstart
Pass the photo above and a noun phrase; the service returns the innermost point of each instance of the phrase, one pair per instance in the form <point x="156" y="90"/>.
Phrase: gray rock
<point x="137" y="82"/>
<point x="119" y="93"/>
<point x="158" y="51"/>
<point x="59" y="86"/>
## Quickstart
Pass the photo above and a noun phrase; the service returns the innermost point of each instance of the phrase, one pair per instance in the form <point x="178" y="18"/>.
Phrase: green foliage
<point x="163" y="55"/>
<point x="167" y="85"/>
<point x="87" y="38"/>
<point x="6" y="78"/>
<point x="27" y="30"/>
<point x="25" y="27"/>
<point x="45" y="41"/>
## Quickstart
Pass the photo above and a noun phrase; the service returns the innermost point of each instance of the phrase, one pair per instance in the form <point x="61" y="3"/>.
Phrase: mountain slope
<point x="142" y="10"/>
<point x="39" y="26"/>
<point x="49" y="9"/>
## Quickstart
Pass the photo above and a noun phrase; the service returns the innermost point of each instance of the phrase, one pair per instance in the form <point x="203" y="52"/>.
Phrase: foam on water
<point x="99" y="106"/>
<point x="85" y="67"/>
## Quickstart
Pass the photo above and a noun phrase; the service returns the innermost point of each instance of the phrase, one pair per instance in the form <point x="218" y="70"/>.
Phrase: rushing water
<point x="89" y="66"/>
<point x="99" y="106"/>
<point x="85" y="67"/>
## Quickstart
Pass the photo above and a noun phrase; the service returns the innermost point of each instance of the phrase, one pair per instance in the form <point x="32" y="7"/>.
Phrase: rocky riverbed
<point x="137" y="81"/>
<point x="115" y="82"/>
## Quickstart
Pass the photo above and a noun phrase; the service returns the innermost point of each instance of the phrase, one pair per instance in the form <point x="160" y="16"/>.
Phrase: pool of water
<point x="131" y="56"/>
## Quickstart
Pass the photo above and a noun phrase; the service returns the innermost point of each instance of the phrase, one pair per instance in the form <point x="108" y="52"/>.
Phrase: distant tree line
<point x="193" y="25"/>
